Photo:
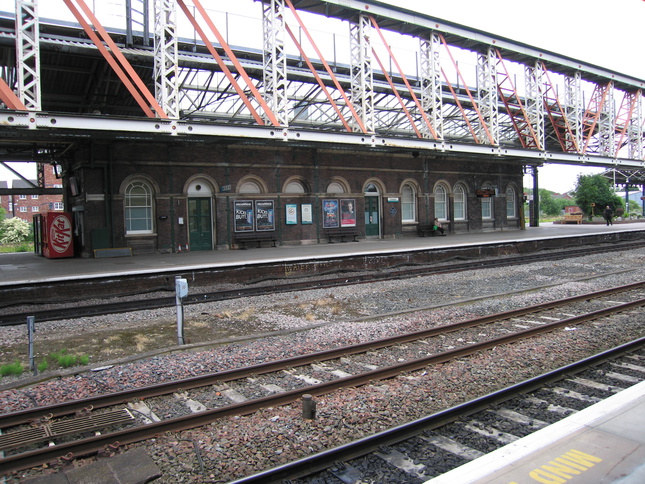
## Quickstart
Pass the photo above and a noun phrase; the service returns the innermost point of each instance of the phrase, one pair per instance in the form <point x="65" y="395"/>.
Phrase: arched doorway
<point x="372" y="211"/>
<point x="200" y="215"/>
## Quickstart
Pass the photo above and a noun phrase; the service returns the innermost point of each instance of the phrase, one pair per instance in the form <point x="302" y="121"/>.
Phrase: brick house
<point x="26" y="206"/>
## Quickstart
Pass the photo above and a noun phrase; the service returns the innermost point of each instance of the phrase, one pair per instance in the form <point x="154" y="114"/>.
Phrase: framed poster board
<point x="330" y="213"/>
<point x="264" y="215"/>
<point x="348" y="213"/>
<point x="291" y="214"/>
<point x="244" y="215"/>
<point x="307" y="213"/>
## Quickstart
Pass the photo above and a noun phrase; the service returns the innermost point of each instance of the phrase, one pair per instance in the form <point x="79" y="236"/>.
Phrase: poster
<point x="291" y="217"/>
<point x="330" y="213"/>
<point x="243" y="212"/>
<point x="347" y="213"/>
<point x="307" y="213"/>
<point x="264" y="215"/>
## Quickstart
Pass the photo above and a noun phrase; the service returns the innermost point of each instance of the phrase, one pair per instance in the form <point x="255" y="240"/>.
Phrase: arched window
<point x="511" y="210"/>
<point x="441" y="203"/>
<point x="335" y="187"/>
<point x="294" y="187"/>
<point x="138" y="208"/>
<point x="250" y="187"/>
<point x="408" y="204"/>
<point x="460" y="203"/>
<point x="487" y="208"/>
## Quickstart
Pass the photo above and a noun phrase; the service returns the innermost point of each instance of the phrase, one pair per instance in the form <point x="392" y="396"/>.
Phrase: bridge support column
<point x="535" y="206"/>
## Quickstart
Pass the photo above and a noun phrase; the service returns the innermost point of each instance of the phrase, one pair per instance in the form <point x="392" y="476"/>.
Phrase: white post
<point x="31" y="328"/>
<point x="181" y="291"/>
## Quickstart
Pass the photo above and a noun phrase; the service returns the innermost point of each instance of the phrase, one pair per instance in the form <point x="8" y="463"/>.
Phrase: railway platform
<point x="22" y="268"/>
<point x="604" y="443"/>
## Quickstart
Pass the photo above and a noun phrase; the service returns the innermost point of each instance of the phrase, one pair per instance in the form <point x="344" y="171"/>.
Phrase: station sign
<point x="486" y="192"/>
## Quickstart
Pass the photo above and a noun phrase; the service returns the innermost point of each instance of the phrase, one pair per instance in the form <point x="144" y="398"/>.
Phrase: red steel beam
<point x="126" y="77"/>
<point x="231" y="55"/>
<point x="468" y="93"/>
<point x="318" y="79"/>
<point x="8" y="97"/>
<point x="515" y="109"/>
<point x="405" y="81"/>
<point x="227" y="72"/>
<point x="327" y="68"/>
<point x="398" y="96"/>
<point x="590" y="118"/>
<point x="561" y="125"/>
<point x="624" y="116"/>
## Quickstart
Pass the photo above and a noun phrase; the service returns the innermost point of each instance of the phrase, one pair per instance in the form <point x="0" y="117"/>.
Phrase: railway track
<point x="382" y="359"/>
<point x="78" y="310"/>
<point x="434" y="445"/>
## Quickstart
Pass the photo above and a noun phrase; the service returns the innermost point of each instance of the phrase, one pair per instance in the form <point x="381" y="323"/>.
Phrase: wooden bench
<point x="572" y="218"/>
<point x="426" y="230"/>
<point x="259" y="237"/>
<point x="342" y="234"/>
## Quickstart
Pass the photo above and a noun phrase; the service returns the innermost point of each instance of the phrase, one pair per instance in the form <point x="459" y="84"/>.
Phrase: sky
<point x="607" y="34"/>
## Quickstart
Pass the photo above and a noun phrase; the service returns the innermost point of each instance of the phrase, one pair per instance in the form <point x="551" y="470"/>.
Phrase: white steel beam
<point x="534" y="105"/>
<point x="362" y="83"/>
<point x="431" y="99"/>
<point x="635" y="141"/>
<point x="28" y="53"/>
<point x="574" y="107"/>
<point x="275" y="60"/>
<point x="607" y="124"/>
<point x="148" y="128"/>
<point x="166" y="64"/>
<point x="487" y="97"/>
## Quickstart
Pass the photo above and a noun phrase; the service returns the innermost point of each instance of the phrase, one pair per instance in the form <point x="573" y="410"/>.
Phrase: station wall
<point x="157" y="197"/>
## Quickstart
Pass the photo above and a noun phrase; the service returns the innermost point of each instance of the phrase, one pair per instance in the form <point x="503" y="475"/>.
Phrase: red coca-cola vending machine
<point x="57" y="235"/>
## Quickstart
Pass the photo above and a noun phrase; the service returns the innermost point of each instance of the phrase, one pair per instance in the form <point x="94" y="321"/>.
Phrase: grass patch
<point x="12" y="369"/>
<point x="22" y="247"/>
<point x="62" y="359"/>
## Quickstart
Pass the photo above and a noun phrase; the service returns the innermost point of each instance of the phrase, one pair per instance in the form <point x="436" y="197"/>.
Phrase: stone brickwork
<point x="291" y="179"/>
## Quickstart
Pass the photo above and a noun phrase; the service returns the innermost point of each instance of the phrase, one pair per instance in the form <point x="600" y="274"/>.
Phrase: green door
<point x="371" y="216"/>
<point x="200" y="224"/>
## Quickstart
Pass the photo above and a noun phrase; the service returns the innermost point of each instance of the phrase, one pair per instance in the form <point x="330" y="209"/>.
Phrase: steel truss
<point x="28" y="53"/>
<point x="166" y="64"/>
<point x="252" y="86"/>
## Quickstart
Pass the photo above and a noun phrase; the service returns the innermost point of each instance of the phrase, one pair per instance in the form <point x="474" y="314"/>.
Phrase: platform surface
<point x="28" y="267"/>
<point x="604" y="443"/>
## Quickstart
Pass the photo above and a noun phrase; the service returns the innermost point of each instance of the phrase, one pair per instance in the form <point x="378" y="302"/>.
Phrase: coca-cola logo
<point x="60" y="234"/>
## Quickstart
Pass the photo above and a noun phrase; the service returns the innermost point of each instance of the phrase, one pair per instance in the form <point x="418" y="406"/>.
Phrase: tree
<point x="595" y="189"/>
<point x="14" y="231"/>
<point x="548" y="204"/>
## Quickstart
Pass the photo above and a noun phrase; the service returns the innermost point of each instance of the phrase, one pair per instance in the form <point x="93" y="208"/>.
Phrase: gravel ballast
<point x="237" y="446"/>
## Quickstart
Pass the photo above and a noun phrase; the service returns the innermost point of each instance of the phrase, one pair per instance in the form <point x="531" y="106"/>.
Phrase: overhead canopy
<point x="624" y="176"/>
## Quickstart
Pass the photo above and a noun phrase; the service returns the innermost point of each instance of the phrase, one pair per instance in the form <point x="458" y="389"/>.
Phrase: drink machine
<point x="57" y="235"/>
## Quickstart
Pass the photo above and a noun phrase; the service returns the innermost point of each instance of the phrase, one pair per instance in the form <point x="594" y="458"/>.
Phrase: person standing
<point x="607" y="214"/>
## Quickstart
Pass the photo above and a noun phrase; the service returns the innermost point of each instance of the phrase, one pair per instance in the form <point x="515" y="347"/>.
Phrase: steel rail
<point x="321" y="461"/>
<point x="93" y="444"/>
<point x="74" y="312"/>
<point x="101" y="401"/>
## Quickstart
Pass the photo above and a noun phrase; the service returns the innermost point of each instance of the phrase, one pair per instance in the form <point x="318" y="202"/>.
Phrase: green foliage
<point x="595" y="189"/>
<point x="62" y="358"/>
<point x="549" y="205"/>
<point x="22" y="247"/>
<point x="11" y="369"/>
<point x="43" y="366"/>
<point x="14" y="231"/>
<point x="635" y="207"/>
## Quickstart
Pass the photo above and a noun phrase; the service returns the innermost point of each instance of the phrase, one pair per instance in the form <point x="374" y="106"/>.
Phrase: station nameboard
<point x="485" y="192"/>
